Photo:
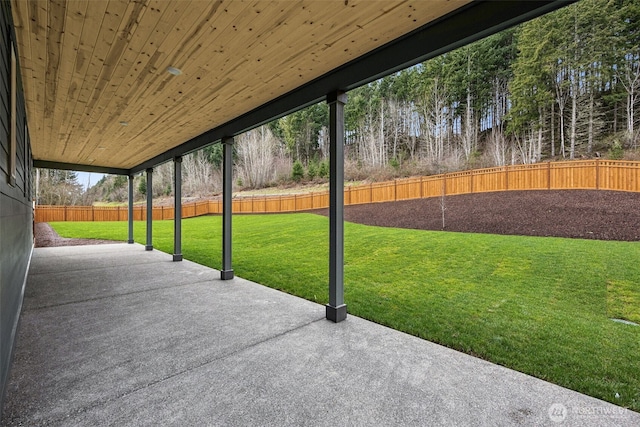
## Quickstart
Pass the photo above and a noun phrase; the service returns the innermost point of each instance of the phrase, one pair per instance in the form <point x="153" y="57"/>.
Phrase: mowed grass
<point x="541" y="306"/>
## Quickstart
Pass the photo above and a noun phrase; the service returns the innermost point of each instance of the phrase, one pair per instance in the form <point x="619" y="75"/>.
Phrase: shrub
<point x="394" y="163"/>
<point x="297" y="172"/>
<point x="323" y="169"/>
<point x="312" y="171"/>
<point x="142" y="186"/>
<point x="616" y="152"/>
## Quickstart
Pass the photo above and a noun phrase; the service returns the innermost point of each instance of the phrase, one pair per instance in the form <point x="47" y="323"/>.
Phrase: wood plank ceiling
<point x="95" y="72"/>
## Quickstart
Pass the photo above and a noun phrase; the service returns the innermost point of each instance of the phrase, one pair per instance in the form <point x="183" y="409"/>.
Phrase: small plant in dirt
<point x="297" y="173"/>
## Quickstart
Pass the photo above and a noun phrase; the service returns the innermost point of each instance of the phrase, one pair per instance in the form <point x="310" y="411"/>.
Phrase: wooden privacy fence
<point x="582" y="174"/>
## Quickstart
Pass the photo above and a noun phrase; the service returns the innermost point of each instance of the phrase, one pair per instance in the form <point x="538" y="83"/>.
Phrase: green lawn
<point x="538" y="305"/>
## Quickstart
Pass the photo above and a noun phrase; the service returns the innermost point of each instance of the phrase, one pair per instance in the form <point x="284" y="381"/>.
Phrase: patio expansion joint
<point x="224" y="356"/>
<point x="141" y="291"/>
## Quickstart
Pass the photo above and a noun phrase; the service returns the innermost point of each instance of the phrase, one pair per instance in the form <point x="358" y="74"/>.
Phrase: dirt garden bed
<point x="585" y="214"/>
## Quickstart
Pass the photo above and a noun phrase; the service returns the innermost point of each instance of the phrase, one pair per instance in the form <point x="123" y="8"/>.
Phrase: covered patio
<point x="115" y="335"/>
<point x="123" y="335"/>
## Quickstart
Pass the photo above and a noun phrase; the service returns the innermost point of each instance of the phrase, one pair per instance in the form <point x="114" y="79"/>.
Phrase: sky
<point x="86" y="178"/>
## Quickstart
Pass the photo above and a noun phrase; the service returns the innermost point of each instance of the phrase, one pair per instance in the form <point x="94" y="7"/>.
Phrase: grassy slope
<point x="537" y="305"/>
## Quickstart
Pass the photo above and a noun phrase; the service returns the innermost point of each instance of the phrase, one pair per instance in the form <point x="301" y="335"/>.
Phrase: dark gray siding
<point x="16" y="216"/>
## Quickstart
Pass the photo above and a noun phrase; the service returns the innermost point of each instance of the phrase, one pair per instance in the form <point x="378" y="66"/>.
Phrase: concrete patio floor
<point x="115" y="335"/>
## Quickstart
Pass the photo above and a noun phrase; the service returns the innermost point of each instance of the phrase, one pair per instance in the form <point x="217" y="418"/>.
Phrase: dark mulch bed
<point x="47" y="237"/>
<point x="586" y="214"/>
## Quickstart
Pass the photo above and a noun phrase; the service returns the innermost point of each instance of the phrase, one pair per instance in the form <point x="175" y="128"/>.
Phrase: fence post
<point x="471" y="181"/>
<point x="371" y="192"/>
<point x="421" y="185"/>
<point x="395" y="190"/>
<point x="597" y="174"/>
<point x="549" y="175"/>
<point x="93" y="214"/>
<point x="65" y="213"/>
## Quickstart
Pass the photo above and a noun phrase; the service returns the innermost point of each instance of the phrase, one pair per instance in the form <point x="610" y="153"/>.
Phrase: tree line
<point x="562" y="86"/>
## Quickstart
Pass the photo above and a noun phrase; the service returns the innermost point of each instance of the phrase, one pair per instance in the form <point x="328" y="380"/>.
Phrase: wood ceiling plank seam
<point x="23" y="44"/>
<point x="247" y="41"/>
<point x="339" y="32"/>
<point x="188" y="97"/>
<point x="145" y="111"/>
<point x="172" y="117"/>
<point x="171" y="128"/>
<point x="73" y="28"/>
<point x="37" y="27"/>
<point x="303" y="18"/>
<point x="113" y="16"/>
<point x="392" y="14"/>
<point x="55" y="38"/>
<point x="140" y="20"/>
<point x="92" y="19"/>
<point x="231" y="24"/>
<point x="282" y="32"/>
<point x="233" y="30"/>
<point x="244" y="89"/>
<point x="335" y="13"/>
<point x="158" y="73"/>
<point x="99" y="46"/>
<point x="419" y="17"/>
<point x="80" y="85"/>
<point x="115" y="106"/>
<point x="292" y="60"/>
<point x="116" y="50"/>
<point x="158" y="85"/>
<point x="138" y="92"/>
<point x="239" y="42"/>
<point x="305" y="59"/>
<point x="286" y="43"/>
<point x="199" y="29"/>
<point x="280" y="28"/>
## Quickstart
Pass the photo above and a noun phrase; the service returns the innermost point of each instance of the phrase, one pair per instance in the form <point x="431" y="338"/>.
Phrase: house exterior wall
<point x="16" y="212"/>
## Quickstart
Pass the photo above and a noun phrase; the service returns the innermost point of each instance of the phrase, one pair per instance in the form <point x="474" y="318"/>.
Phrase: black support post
<point x="130" y="219"/>
<point x="336" y="310"/>
<point x="227" y="205"/>
<point x="177" y="208"/>
<point x="149" y="245"/>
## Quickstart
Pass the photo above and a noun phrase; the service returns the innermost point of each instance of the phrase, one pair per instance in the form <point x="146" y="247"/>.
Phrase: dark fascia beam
<point x="43" y="164"/>
<point x="463" y="26"/>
